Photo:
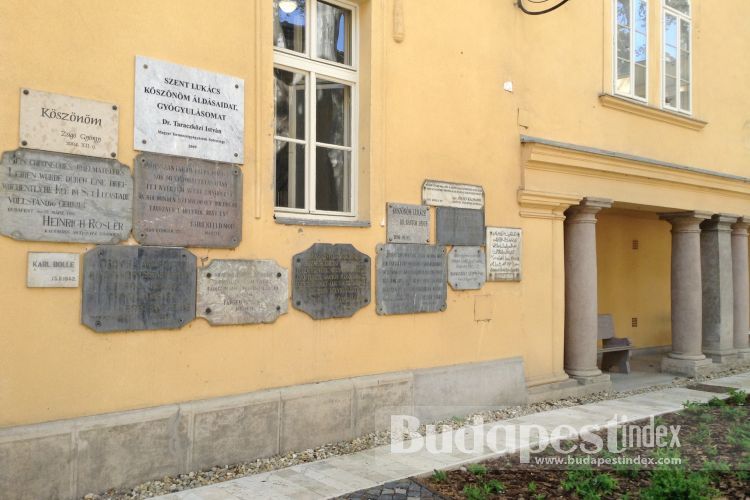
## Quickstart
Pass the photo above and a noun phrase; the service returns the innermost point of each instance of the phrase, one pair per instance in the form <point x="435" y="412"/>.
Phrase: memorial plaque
<point x="411" y="279"/>
<point x="503" y="254"/>
<point x="137" y="288"/>
<point x="238" y="292"/>
<point x="186" y="202"/>
<point x="459" y="226"/>
<point x="58" y="197"/>
<point x="52" y="270"/>
<point x="331" y="281"/>
<point x="408" y="223"/>
<point x="467" y="268"/>
<point x="187" y="111"/>
<point x="64" y="124"/>
<point x="449" y="194"/>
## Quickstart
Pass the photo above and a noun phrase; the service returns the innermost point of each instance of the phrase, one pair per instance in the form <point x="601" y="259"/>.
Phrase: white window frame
<point x="681" y="18"/>
<point x="314" y="67"/>
<point x="615" y="38"/>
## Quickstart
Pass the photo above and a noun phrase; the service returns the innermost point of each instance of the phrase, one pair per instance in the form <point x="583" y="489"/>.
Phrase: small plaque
<point x="186" y="202"/>
<point x="52" y="270"/>
<point x="408" y="223"/>
<point x="138" y="288"/>
<point x="64" y="124"/>
<point x="187" y="111"/>
<point x="238" y="292"/>
<point x="411" y="279"/>
<point x="503" y="254"/>
<point x="57" y="197"/>
<point x="449" y="194"/>
<point x="467" y="268"/>
<point x="460" y="226"/>
<point x="331" y="281"/>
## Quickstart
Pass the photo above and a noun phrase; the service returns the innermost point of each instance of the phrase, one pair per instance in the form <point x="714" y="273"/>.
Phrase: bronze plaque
<point x="137" y="288"/>
<point x="187" y="202"/>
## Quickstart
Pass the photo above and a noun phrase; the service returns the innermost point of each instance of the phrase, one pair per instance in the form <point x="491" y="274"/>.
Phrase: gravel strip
<point x="171" y="484"/>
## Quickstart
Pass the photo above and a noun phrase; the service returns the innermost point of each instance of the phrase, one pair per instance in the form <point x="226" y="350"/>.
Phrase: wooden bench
<point x="615" y="351"/>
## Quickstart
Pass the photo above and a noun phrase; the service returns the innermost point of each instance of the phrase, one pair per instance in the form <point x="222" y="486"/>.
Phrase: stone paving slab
<point x="369" y="473"/>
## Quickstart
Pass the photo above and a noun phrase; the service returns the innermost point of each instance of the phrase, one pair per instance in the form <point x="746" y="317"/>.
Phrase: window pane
<point x="623" y="43"/>
<point x="333" y="180"/>
<point x="623" y="12"/>
<point x="290" y="174"/>
<point x="640" y="81"/>
<point x="641" y="16"/>
<point x="290" y="103"/>
<point x="670" y="61"/>
<point x="670" y="30"/>
<point x="334" y="33"/>
<point x="685" y="35"/>
<point x="622" y="86"/>
<point x="685" y="96"/>
<point x="684" y="65"/>
<point x="640" y="54"/>
<point x="680" y="5"/>
<point x="289" y="24"/>
<point x="670" y="91"/>
<point x="333" y="102"/>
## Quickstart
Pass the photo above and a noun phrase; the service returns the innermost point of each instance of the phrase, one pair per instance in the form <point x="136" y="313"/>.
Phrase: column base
<point x="721" y="356"/>
<point x="743" y="354"/>
<point x="594" y="378"/>
<point x="689" y="366"/>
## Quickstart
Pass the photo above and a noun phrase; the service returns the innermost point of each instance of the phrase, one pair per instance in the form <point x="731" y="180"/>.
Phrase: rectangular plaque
<point x="52" y="270"/>
<point x="186" y="202"/>
<point x="137" y="288"/>
<point x="64" y="124"/>
<point x="187" y="111"/>
<point x="449" y="194"/>
<point x="331" y="281"/>
<point x="467" y="268"/>
<point x="503" y="254"/>
<point x="411" y="279"/>
<point x="408" y="223"/>
<point x="237" y="292"/>
<point x="58" y="197"/>
<point x="459" y="226"/>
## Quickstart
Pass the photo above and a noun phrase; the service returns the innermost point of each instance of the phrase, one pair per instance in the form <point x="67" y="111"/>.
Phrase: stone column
<point x="687" y="356"/>
<point x="581" y="291"/>
<point x="741" y="286"/>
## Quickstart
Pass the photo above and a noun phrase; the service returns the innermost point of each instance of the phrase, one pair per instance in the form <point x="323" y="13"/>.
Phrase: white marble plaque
<point x="185" y="111"/>
<point x="64" y="124"/>
<point x="466" y="268"/>
<point x="408" y="223"/>
<point x="449" y="194"/>
<point x="503" y="254"/>
<point x="53" y="270"/>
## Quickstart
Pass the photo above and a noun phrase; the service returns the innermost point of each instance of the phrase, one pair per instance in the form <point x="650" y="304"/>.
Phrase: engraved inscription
<point x="52" y="270"/>
<point x="449" y="194"/>
<point x="408" y="223"/>
<point x="331" y="281"/>
<point x="187" y="202"/>
<point x="460" y="226"/>
<point x="466" y="268"/>
<point x="137" y="288"/>
<point x="411" y="279"/>
<point x="58" y="197"/>
<point x="503" y="254"/>
<point x="236" y="292"/>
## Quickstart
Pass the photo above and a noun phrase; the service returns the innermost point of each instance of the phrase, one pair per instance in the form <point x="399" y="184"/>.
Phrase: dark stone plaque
<point x="61" y="197"/>
<point x="137" y="288"/>
<point x="331" y="281"/>
<point x="411" y="279"/>
<point x="460" y="226"/>
<point x="466" y="268"/>
<point x="187" y="202"/>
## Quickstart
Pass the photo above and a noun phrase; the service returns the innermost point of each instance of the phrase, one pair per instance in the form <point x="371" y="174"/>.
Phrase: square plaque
<point x="411" y="279"/>
<point x="64" y="124"/>
<point x="408" y="223"/>
<point x="187" y="111"/>
<point x="467" y="268"/>
<point x="52" y="270"/>
<point x="503" y="254"/>
<point x="459" y="226"/>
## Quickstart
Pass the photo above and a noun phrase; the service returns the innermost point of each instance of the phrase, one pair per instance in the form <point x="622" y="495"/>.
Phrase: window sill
<point x="298" y="221"/>
<point x="646" y="111"/>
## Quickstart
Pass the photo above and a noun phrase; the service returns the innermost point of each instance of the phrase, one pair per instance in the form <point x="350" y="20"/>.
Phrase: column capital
<point x="740" y="227"/>
<point x="719" y="222"/>
<point x="685" y="222"/>
<point x="586" y="210"/>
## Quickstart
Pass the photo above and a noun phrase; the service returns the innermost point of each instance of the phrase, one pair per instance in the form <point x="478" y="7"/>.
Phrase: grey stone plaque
<point x="137" y="288"/>
<point x="466" y="268"/>
<point x="187" y="202"/>
<point x="331" y="281"/>
<point x="411" y="279"/>
<point x="52" y="270"/>
<point x="188" y="112"/>
<point x="408" y="223"/>
<point x="459" y="226"/>
<point x="237" y="292"/>
<point x="503" y="254"/>
<point x="450" y="194"/>
<point x="58" y="197"/>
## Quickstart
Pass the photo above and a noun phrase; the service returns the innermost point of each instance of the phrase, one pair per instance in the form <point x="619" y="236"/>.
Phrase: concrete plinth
<point x="684" y="366"/>
<point x="741" y="286"/>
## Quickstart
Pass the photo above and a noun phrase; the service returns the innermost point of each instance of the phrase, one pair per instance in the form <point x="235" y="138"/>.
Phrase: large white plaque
<point x="186" y="111"/>
<point x="53" y="270"/>
<point x="503" y="254"/>
<point x="449" y="194"/>
<point x="64" y="124"/>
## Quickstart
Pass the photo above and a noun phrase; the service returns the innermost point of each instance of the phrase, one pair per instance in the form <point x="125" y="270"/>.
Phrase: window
<point x="676" y="71"/>
<point x="315" y="76"/>
<point x="631" y="48"/>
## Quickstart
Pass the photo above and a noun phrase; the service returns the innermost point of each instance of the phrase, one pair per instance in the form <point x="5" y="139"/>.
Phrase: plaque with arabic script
<point x="411" y="279"/>
<point x="503" y="254"/>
